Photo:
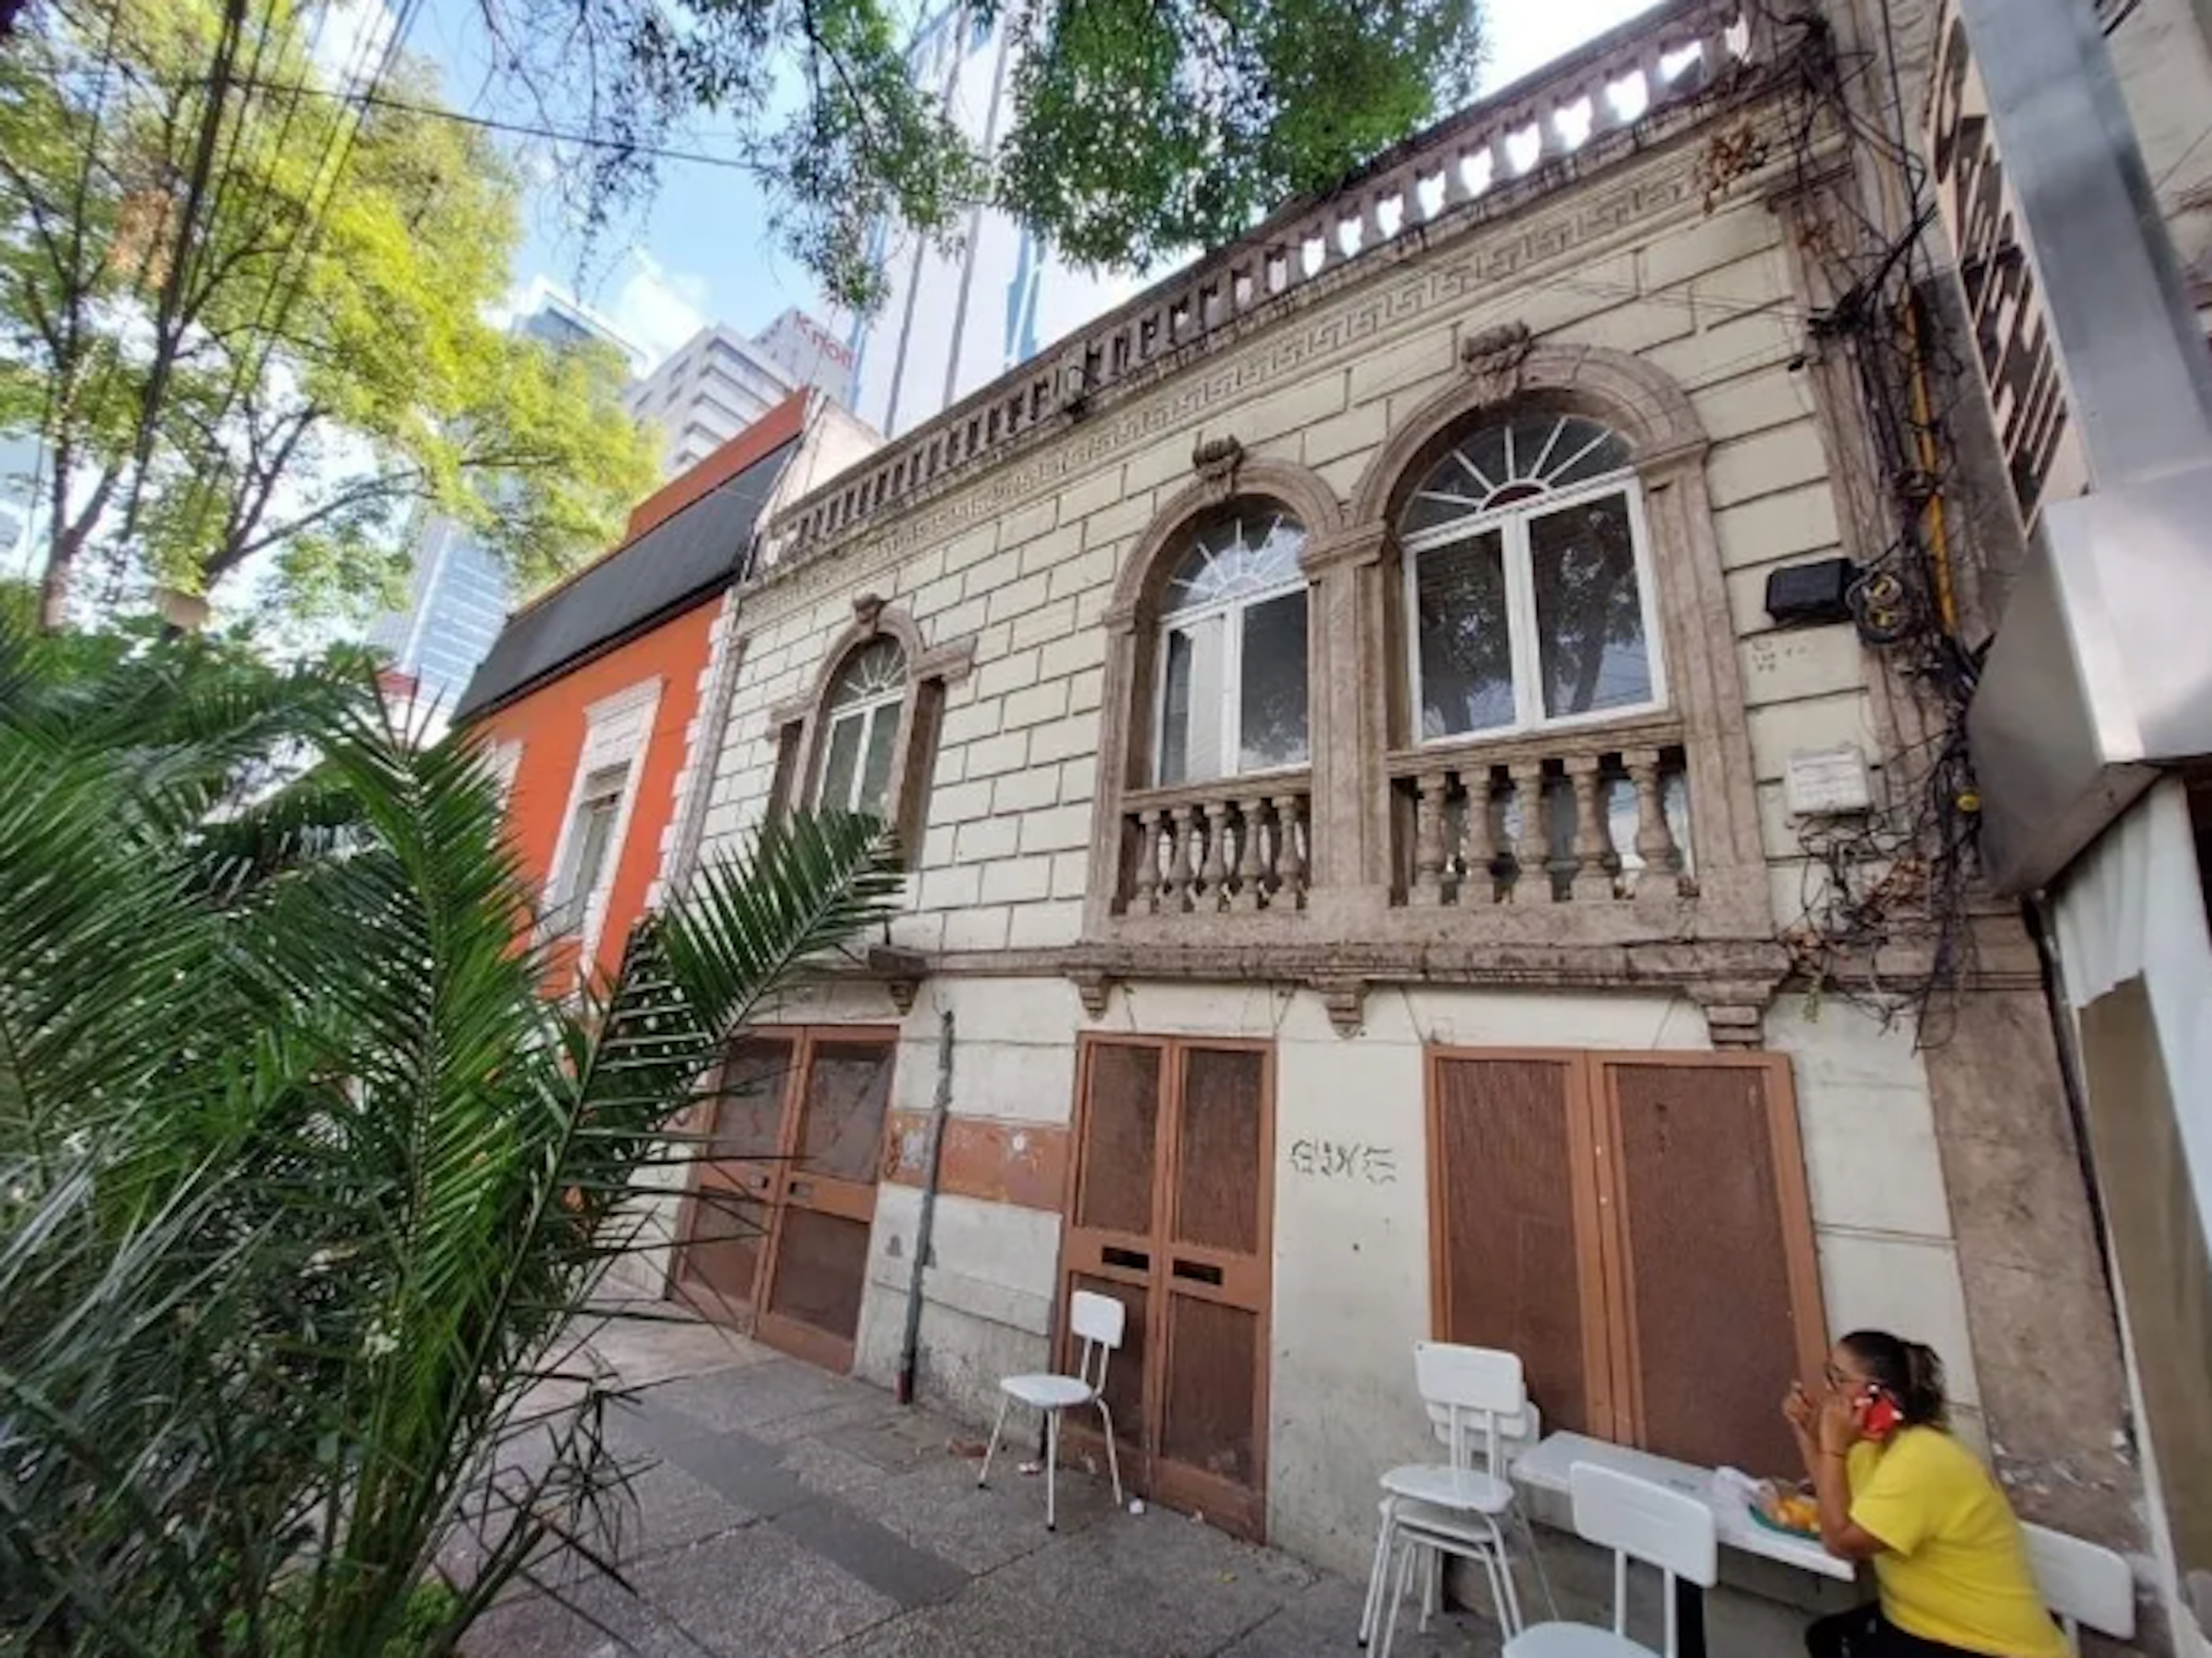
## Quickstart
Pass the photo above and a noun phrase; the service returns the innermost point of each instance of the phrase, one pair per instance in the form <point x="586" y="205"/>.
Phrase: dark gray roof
<point x="680" y="561"/>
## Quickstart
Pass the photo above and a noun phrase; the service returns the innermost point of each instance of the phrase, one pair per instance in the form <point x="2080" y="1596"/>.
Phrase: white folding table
<point x="1547" y="1467"/>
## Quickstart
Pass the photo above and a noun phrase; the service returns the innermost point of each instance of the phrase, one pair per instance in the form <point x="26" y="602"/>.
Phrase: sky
<point x="703" y="252"/>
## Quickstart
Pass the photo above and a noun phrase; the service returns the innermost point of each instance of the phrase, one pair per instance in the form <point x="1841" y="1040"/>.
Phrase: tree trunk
<point x="66" y="540"/>
<point x="53" y="592"/>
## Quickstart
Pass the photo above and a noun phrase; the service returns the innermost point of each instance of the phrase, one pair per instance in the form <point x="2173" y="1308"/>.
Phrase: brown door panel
<point x="1169" y="1210"/>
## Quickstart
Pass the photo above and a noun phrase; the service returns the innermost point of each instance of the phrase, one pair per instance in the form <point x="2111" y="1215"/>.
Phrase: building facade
<point x="1422" y="822"/>
<point x="719" y="381"/>
<point x="952" y="322"/>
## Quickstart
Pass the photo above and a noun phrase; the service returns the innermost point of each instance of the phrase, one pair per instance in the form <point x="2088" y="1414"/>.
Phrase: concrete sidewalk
<point x="794" y="1512"/>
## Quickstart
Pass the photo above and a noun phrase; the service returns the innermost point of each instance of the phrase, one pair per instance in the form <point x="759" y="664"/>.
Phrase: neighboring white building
<point x="458" y="594"/>
<point x="952" y="324"/>
<point x="807" y="347"/>
<point x="719" y="381"/>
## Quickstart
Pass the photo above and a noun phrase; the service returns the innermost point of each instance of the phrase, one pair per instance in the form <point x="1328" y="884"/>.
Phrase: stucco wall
<point x="550" y="726"/>
<point x="1350" y="1259"/>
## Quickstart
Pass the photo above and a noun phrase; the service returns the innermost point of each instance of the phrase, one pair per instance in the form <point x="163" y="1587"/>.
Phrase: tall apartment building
<point x="458" y="596"/>
<point x="953" y="323"/>
<point x="719" y="381"/>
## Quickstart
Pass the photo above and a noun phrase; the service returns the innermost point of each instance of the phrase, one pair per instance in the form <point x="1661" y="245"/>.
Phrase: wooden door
<point x="776" y="1238"/>
<point x="1170" y="1214"/>
<point x="1619" y="1220"/>
<point x="735" y="1186"/>
<point x="816" y="1272"/>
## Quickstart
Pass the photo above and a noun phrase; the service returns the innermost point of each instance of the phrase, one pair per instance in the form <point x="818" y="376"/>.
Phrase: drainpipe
<point x="933" y="1157"/>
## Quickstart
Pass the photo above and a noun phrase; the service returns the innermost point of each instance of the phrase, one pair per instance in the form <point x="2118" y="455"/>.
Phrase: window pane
<point x="1466" y="648"/>
<point x="1236" y="558"/>
<point x="594" y="832"/>
<point x="876" y="770"/>
<point x="875" y="670"/>
<point x="1271" y="691"/>
<point x="1190" y="718"/>
<point x="1590" y="617"/>
<point x="842" y="760"/>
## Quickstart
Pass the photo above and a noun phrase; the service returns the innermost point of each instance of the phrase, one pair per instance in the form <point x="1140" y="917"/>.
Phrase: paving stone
<point x="970" y="1627"/>
<point x="875" y="1556"/>
<point x="831" y="1470"/>
<point x="939" y="1507"/>
<point x="751" y="1396"/>
<point x="1324" y="1619"/>
<point x="826" y="1417"/>
<point x="673" y="1510"/>
<point x="757" y="1594"/>
<point x="538" y="1626"/>
<point x="1157" y="1585"/>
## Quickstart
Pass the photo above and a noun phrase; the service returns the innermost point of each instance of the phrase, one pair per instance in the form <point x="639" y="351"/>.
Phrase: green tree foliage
<point x="248" y="313"/>
<point x="1140" y="129"/>
<point x="304" y="1186"/>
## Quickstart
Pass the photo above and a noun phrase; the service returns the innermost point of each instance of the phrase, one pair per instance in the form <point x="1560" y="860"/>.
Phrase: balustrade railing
<point x="1231" y="846"/>
<point x="1533" y="823"/>
<point x="1662" y="58"/>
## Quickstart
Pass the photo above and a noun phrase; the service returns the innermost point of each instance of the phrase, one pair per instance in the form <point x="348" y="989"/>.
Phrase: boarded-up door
<point x="777" y="1236"/>
<point x="1636" y="1226"/>
<point x="1170" y="1214"/>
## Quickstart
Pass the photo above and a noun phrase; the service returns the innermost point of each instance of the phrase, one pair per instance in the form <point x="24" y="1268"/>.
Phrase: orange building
<point x="587" y="703"/>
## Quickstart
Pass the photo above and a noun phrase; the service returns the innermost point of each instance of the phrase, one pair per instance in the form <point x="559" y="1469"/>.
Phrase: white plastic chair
<point x="1638" y="1521"/>
<point x="1431" y="1510"/>
<point x="2083" y="1582"/>
<point x="1098" y="1321"/>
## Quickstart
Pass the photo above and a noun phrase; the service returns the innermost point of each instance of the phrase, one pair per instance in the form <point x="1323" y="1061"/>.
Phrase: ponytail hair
<point x="1908" y="1372"/>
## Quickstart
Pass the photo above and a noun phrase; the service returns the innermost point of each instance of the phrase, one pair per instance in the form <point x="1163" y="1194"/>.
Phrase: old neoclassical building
<point x="1364" y="822"/>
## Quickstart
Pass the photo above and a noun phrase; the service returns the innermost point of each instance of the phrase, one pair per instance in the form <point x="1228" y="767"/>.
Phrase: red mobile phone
<point x="1882" y="1418"/>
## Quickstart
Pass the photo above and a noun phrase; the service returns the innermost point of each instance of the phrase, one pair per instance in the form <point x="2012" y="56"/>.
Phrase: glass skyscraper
<point x="458" y="596"/>
<point x="951" y="325"/>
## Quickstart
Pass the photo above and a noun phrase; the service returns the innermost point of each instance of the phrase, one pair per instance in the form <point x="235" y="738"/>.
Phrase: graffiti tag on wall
<point x="1350" y="1160"/>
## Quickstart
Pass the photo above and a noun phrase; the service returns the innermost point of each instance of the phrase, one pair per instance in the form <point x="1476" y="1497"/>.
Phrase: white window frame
<point x="502" y="760"/>
<point x="1232" y="676"/>
<point x="1511" y="523"/>
<point x="867" y="711"/>
<point x="618" y="731"/>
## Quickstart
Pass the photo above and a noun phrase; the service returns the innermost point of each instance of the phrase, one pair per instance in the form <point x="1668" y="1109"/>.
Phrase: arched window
<point x="1528" y="585"/>
<point x="1232" y="650"/>
<point x="860" y="739"/>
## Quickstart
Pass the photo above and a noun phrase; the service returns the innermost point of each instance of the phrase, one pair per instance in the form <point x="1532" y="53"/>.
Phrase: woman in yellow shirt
<point x="1896" y="1489"/>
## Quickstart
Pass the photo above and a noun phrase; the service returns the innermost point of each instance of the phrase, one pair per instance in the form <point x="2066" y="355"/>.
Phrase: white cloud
<point x="657" y="308"/>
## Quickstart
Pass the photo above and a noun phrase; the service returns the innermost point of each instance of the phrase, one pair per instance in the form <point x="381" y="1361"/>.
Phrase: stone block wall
<point x="1022" y="558"/>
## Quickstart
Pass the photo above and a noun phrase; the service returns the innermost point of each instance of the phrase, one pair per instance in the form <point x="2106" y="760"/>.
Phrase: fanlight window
<point x="865" y="704"/>
<point x="1233" y="650"/>
<point x="1527" y="586"/>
